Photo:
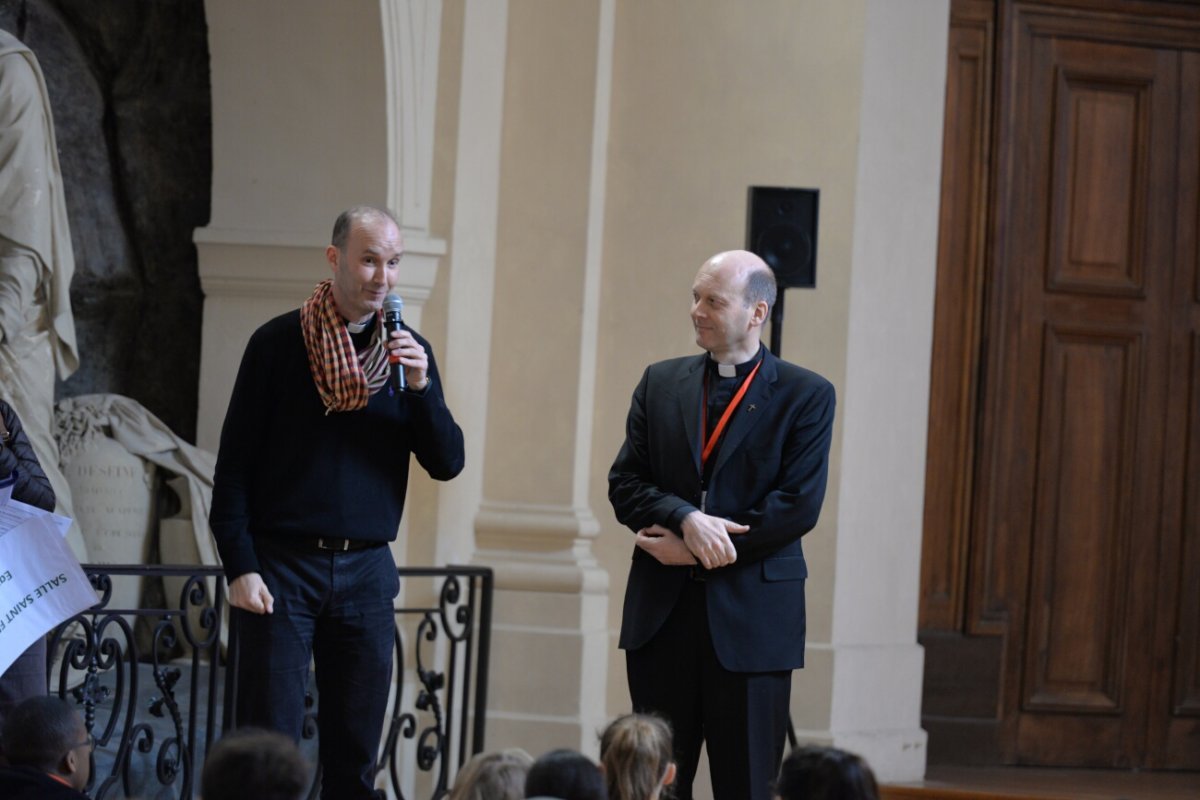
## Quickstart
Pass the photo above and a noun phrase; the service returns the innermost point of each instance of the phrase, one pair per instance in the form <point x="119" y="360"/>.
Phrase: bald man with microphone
<point x="310" y="485"/>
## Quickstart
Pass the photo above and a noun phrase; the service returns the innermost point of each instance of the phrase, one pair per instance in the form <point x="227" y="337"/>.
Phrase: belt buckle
<point x="345" y="544"/>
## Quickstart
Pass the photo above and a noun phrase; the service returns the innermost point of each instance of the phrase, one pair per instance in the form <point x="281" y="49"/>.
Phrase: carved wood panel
<point x="1080" y="578"/>
<point x="1186" y="666"/>
<point x="1098" y="182"/>
<point x="1071" y="530"/>
<point x="957" y="316"/>
<point x="1174" y="724"/>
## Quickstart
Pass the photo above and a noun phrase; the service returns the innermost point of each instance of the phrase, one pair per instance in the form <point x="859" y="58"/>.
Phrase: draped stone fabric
<point x="79" y="420"/>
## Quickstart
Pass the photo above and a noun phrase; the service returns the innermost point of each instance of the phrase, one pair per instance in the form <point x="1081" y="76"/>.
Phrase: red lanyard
<point x="724" y="420"/>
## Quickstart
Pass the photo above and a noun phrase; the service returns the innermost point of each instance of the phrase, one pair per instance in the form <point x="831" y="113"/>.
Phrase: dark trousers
<point x="335" y="611"/>
<point x="24" y="678"/>
<point x="740" y="716"/>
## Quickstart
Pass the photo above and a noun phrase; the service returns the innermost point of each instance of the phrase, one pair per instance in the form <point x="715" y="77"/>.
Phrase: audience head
<point x="250" y="762"/>
<point x="493" y="776"/>
<point x="825" y="773"/>
<point x="565" y="775"/>
<point x="47" y="733"/>
<point x="635" y="752"/>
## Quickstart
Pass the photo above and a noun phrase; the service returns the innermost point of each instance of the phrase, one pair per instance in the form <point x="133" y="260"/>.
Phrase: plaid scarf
<point x="345" y="379"/>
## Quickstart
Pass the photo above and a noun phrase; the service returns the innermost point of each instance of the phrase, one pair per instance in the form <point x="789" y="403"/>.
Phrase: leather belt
<point x="332" y="544"/>
<point x="697" y="573"/>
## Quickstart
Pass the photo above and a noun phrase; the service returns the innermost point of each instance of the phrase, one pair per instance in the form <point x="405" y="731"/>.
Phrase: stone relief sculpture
<point x="126" y="156"/>
<point x="129" y="84"/>
<point x="37" y="328"/>
<point x="130" y="256"/>
<point x="116" y="456"/>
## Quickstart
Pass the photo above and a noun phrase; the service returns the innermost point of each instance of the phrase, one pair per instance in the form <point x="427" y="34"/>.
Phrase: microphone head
<point x="392" y="304"/>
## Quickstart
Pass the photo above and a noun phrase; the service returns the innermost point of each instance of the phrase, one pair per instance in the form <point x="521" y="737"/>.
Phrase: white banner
<point x="41" y="583"/>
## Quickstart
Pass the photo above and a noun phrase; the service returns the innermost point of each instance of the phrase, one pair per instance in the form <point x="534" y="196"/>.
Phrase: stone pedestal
<point x="550" y="620"/>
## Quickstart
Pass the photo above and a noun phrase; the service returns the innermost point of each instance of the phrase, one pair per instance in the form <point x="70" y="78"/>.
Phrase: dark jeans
<point x="741" y="716"/>
<point x="334" y="610"/>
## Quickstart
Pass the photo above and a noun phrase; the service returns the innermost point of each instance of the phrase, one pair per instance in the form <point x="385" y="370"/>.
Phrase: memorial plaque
<point x="114" y="498"/>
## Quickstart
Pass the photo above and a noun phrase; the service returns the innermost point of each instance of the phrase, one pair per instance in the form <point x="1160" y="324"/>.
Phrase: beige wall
<point x="587" y="156"/>
<point x="299" y="103"/>
<point x="541" y="247"/>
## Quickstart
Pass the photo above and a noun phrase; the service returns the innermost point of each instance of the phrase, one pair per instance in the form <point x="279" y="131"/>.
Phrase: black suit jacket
<point x="28" y="783"/>
<point x="770" y="473"/>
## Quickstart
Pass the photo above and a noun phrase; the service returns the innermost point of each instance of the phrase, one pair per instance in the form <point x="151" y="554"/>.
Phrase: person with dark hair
<point x="25" y="677"/>
<point x="722" y="471"/>
<point x="636" y="756"/>
<point x="498" y="775"/>
<point x="251" y="762"/>
<point x="309" y="489"/>
<point x="825" y="773"/>
<point x="565" y="774"/>
<point x="48" y="751"/>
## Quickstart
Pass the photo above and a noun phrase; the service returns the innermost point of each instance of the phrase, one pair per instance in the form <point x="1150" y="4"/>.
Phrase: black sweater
<point x="286" y="468"/>
<point x="32" y="486"/>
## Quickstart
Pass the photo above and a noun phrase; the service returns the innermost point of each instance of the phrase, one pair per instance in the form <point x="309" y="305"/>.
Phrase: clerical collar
<point x="734" y="370"/>
<point x="362" y="334"/>
<point x="359" y="327"/>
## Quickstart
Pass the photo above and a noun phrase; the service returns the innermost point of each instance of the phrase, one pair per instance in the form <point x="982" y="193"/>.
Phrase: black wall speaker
<point x="781" y="228"/>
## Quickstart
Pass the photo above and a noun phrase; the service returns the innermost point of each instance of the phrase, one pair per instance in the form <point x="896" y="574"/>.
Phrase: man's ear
<point x="669" y="777"/>
<point x="759" y="317"/>
<point x="70" y="763"/>
<point x="331" y="255"/>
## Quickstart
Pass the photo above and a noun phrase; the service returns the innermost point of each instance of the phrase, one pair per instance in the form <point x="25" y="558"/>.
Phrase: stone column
<point x="534" y="524"/>
<point x="861" y="689"/>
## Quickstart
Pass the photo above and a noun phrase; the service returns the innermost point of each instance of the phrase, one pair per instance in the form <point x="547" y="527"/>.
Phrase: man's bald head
<point x="731" y="299"/>
<point x="749" y="271"/>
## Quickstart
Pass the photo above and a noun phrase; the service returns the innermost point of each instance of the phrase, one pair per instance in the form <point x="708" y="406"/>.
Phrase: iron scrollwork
<point x="151" y="682"/>
<point x="446" y="640"/>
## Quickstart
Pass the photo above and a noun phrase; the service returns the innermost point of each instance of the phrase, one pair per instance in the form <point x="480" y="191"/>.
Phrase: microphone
<point x="392" y="307"/>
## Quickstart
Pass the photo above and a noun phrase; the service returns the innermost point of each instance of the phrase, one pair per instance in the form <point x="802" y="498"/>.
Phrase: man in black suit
<point x="722" y="471"/>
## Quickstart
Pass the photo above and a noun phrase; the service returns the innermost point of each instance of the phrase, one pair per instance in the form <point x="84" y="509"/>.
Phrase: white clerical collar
<point x="358" y="327"/>
<point x="734" y="370"/>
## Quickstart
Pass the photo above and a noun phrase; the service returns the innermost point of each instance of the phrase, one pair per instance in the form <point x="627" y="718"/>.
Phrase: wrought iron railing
<point x="151" y="681"/>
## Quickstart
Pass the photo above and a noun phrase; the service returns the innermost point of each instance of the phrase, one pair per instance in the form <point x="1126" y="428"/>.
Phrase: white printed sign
<point x="14" y="512"/>
<point x="41" y="583"/>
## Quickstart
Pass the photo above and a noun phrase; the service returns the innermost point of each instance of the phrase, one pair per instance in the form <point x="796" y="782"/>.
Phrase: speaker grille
<point x="781" y="228"/>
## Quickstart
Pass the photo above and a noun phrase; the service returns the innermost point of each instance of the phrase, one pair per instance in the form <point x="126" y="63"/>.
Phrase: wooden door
<point x="1081" y="536"/>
